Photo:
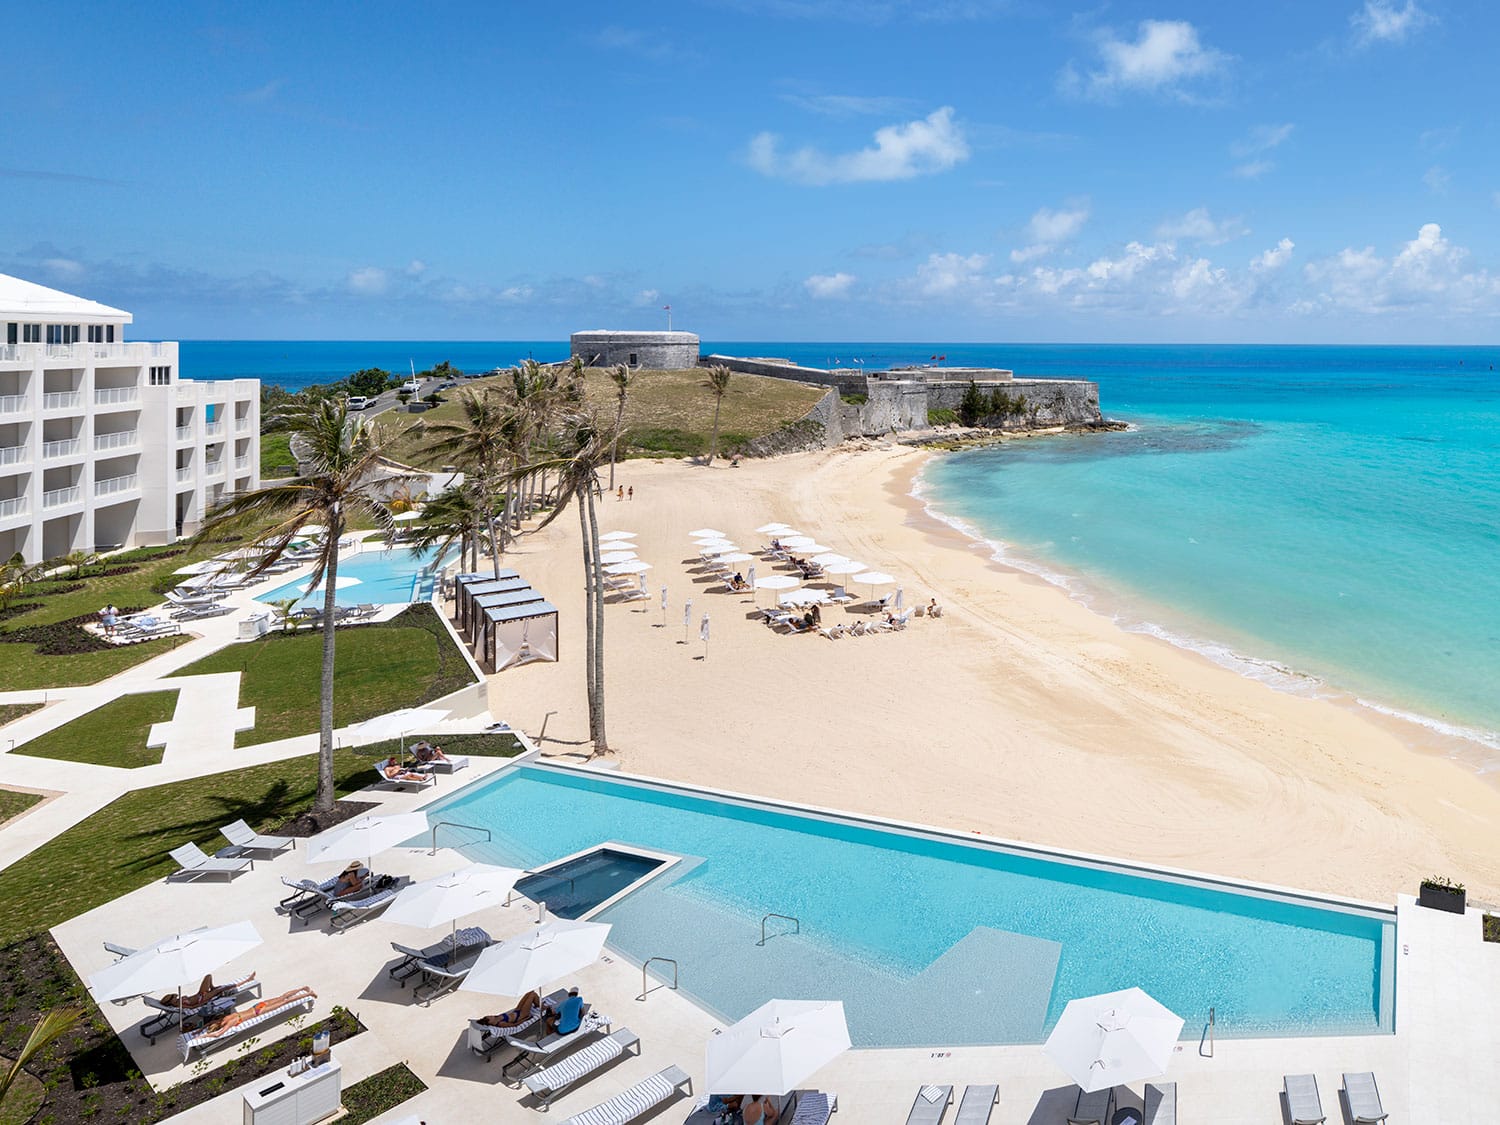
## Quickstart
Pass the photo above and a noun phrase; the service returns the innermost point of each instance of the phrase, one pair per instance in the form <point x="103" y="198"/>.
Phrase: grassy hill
<point x="670" y="413"/>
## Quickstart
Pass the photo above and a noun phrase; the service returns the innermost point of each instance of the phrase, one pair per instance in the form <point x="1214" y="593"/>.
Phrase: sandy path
<point x="1019" y="713"/>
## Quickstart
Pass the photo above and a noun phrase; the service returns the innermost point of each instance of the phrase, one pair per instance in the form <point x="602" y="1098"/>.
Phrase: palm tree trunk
<point x="713" y="446"/>
<point x="601" y="740"/>
<point x="588" y="610"/>
<point x="614" y="446"/>
<point x="324" y="799"/>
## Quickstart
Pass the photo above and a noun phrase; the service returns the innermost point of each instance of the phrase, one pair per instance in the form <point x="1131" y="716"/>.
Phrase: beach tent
<point x="483" y="603"/>
<point x="462" y="582"/>
<point x="464" y="605"/>
<point x="519" y="634"/>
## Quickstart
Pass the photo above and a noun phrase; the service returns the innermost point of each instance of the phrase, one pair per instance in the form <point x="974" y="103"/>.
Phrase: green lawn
<point x="112" y="735"/>
<point x="276" y="455"/>
<point x="10" y="712"/>
<point x="124" y="845"/>
<point x="41" y="644"/>
<point x="14" y="804"/>
<point x="405" y="662"/>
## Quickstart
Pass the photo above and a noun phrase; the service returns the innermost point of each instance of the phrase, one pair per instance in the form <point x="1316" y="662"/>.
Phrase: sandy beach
<point x="1020" y="713"/>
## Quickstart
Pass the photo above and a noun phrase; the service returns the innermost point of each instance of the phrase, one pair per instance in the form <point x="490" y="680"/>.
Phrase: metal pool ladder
<point x="785" y="918"/>
<point x="454" y="824"/>
<point x="646" y="991"/>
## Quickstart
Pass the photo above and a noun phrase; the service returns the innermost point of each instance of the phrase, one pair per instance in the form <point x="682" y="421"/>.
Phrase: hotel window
<point x="31" y="333"/>
<point x="634" y="360"/>
<point x="109" y="333"/>
<point x="62" y="333"/>
<point x="161" y="376"/>
<point x="99" y="334"/>
<point x="12" y="333"/>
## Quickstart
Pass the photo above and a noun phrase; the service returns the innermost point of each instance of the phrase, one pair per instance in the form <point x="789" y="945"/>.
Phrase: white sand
<point x="1019" y="713"/>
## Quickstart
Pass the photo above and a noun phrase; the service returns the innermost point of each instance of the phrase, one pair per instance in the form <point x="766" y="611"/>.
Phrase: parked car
<point x="360" y="402"/>
<point x="447" y="384"/>
<point x="411" y="386"/>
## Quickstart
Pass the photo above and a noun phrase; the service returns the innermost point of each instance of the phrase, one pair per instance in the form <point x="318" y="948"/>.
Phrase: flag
<point x="703" y="629"/>
<point x="666" y="308"/>
<point x="942" y="359"/>
<point x="932" y="359"/>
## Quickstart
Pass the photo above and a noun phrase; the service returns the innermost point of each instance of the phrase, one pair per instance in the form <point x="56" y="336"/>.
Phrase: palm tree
<point x="77" y="560"/>
<point x="50" y="1026"/>
<point x="15" y="575"/>
<point x="343" y="480"/>
<point x="480" y="442"/>
<point x="620" y="376"/>
<point x="454" y="515"/>
<point x="718" y="382"/>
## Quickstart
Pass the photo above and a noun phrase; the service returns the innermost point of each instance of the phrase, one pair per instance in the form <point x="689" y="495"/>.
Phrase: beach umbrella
<point x="872" y="578"/>
<point x="704" y="543"/>
<point x="617" y="556"/>
<point x="900" y="597"/>
<point x="798" y="542"/>
<point x="313" y="529"/>
<point x="645" y="590"/>
<point x="831" y="558"/>
<point x="536" y="959"/>
<point x="706" y="533"/>
<point x="776" y="582"/>
<point x="447" y="898"/>
<point x="804" y="597"/>
<point x="1109" y="1040"/>
<point x="342" y="582"/>
<point x="364" y="836"/>
<point x="616" y="536"/>
<point x="750" y="577"/>
<point x="398" y="724"/>
<point x="725" y="549"/>
<point x="772" y="529"/>
<point x="735" y="557"/>
<point x="173" y="962"/>
<point x="815" y="549"/>
<point x="633" y="566"/>
<point x="848" y="566"/>
<point x="777" y="1047"/>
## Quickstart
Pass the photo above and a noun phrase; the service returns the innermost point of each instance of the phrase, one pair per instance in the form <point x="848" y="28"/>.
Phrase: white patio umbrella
<point x="872" y="578"/>
<point x="831" y="558"/>
<point x="398" y="724"/>
<point x="900" y="597"/>
<point x="703" y="544"/>
<point x="536" y="959"/>
<point x="342" y="582"/>
<point x="313" y="529"/>
<point x="633" y="566"/>
<point x="777" y="1047"/>
<point x="772" y="529"/>
<point x="848" y="566"/>
<point x="815" y="549"/>
<point x="447" y="898"/>
<point x="364" y="836"/>
<point x="734" y="557"/>
<point x="617" y="556"/>
<point x="724" y="549"/>
<point x="616" y="536"/>
<point x="774" y="582"/>
<point x="798" y="542"/>
<point x="174" y="962"/>
<point x="706" y="533"/>
<point x="804" y="597"/>
<point x="1113" y="1039"/>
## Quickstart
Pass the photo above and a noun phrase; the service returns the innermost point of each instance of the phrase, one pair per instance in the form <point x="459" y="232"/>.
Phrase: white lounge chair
<point x="1161" y="1103"/>
<point x="310" y="896"/>
<point x="813" y="1107"/>
<point x="192" y="862"/>
<point x="977" y="1104"/>
<point x="351" y="911"/>
<point x="1363" y="1097"/>
<point x="629" y="1104"/>
<point x="191" y="1041"/>
<point x="167" y="1014"/>
<point x="929" y="1105"/>
<point x="400" y="782"/>
<point x="1302" y="1099"/>
<point x="483" y="1038"/>
<point x="182" y="601"/>
<point x="120" y="951"/>
<point x="246" y="839"/>
<point x="409" y="965"/>
<point x="198" y="612"/>
<point x="547" y="1082"/>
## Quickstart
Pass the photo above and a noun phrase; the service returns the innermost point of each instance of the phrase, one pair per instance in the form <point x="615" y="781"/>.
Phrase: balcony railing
<point x="134" y="352"/>
<point x="242" y="461"/>
<point x="61" y="400"/>
<point x="241" y="425"/>
<point x="185" y="472"/>
<point x="12" y="404"/>
<point x="213" y="429"/>
<point x="120" y="439"/>
<point x="108" y="396"/>
<point x="64" y="447"/>
<point x="184" y="433"/>
<point x="213" y="468"/>
<point x="16" y="506"/>
<point x="57" y="497"/>
<point x="114" y="484"/>
<point x="14" y="454"/>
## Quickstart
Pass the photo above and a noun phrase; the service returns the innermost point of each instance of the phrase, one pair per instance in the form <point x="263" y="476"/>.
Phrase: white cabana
<point x="480" y="604"/>
<point x="776" y="1048"/>
<point x="519" y="634"/>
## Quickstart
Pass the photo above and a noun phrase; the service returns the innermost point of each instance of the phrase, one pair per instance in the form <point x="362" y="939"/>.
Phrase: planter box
<point x="1441" y="898"/>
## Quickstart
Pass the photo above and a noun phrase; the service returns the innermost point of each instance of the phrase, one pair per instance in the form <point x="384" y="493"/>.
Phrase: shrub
<point x="942" y="417"/>
<point x="973" y="406"/>
<point x="855" y="399"/>
<point x="665" y="439"/>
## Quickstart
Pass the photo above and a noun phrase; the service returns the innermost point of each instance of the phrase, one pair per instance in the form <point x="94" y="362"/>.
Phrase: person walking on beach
<point x="630" y="493"/>
<point x="620" y="495"/>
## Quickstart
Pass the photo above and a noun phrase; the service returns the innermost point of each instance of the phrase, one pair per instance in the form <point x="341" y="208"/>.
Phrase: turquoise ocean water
<point x="1327" y="518"/>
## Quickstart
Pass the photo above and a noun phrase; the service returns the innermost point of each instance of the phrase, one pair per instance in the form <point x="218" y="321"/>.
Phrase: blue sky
<point x="777" y="170"/>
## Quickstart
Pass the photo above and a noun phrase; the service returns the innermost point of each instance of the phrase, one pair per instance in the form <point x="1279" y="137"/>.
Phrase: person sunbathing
<point x="933" y="609"/>
<point x="207" y="991"/>
<point x="760" y="1110"/>
<point x="214" y="1028"/>
<point x="351" y="881"/>
<point x="395" y="771"/>
<point x="426" y="752"/>
<point x="517" y="1015"/>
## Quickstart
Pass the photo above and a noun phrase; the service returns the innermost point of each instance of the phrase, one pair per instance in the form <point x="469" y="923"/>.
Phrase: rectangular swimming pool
<point x="574" y="887"/>
<point x="380" y="577"/>
<point x="930" y="939"/>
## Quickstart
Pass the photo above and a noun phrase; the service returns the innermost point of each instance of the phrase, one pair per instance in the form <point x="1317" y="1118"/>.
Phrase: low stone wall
<point x="1048" y="402"/>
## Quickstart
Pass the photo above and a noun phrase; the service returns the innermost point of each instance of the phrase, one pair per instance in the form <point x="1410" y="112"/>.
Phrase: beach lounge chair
<point x="1161" y="1103"/>
<point x="450" y="763"/>
<point x="1093" y="1107"/>
<point x="144" y="628"/>
<point x="197" y="612"/>
<point x="1302" y="1100"/>
<point x="832" y="634"/>
<point x="1363" y="1097"/>
<point x="166" y="1014"/>
<point x="243" y="838"/>
<point x="483" y="1038"/>
<point x="929" y="1105"/>
<point x="309" y="896"/>
<point x="407" y="966"/>
<point x="351" y="911"/>
<point x="840" y="595"/>
<point x="630" y="1104"/>
<point x="190" y="1041"/>
<point x="547" y="1082"/>
<point x="813" y="1107"/>
<point x="977" y="1104"/>
<point x="536" y="1053"/>
<point x="191" y="863"/>
<point x="402" y="782"/>
<point x="446" y="970"/>
<point x="186" y="601"/>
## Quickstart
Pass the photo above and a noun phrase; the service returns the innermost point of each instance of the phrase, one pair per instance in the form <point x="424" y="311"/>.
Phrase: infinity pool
<point x="381" y="577"/>
<point x="931" y="940"/>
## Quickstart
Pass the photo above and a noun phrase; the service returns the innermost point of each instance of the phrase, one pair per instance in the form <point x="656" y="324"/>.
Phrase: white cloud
<point x="946" y="274"/>
<point x="65" y="268"/>
<point x="1436" y="140"/>
<point x="369" y="281"/>
<point x="416" y="267"/>
<point x="1381" y="21"/>
<point x="1437" y="178"/>
<point x="1166" y="56"/>
<point x="1048" y="228"/>
<point x="934" y="143"/>
<point x="1274" y="258"/>
<point x="826" y="286"/>
<point x="1199" y="226"/>
<point x="845" y="105"/>
<point x="648" y="296"/>
<point x="1428" y="274"/>
<point x="1251" y="149"/>
<point x="516" y="294"/>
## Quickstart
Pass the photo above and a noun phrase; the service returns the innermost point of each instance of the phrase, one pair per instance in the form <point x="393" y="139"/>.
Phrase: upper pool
<point x="931" y="940"/>
<point x="381" y="577"/>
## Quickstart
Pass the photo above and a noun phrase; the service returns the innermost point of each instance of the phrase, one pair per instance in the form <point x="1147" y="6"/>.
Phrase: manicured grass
<point x="405" y="662"/>
<point x="668" y="412"/>
<point x="276" y="455"/>
<point x="10" y="712"/>
<point x="14" y="804"/>
<point x="41" y="644"/>
<point x="382" y="1091"/>
<point x="112" y="735"/>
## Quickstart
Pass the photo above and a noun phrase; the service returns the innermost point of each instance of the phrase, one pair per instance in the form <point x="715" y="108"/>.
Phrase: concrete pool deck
<point x="1436" y="1067"/>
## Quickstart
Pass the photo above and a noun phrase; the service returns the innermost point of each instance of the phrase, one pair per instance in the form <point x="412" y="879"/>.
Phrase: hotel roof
<point x="20" y="298"/>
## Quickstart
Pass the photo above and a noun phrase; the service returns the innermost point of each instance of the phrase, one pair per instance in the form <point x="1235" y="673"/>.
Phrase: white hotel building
<point x="101" y="443"/>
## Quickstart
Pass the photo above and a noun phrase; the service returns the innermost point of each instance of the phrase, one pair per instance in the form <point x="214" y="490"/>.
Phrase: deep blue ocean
<point x="1327" y="518"/>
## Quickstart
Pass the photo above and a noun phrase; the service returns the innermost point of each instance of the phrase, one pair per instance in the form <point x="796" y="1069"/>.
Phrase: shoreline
<point x="1475" y="748"/>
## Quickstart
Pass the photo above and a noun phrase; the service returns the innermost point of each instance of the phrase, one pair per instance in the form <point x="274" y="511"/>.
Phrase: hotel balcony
<point x="213" y="429"/>
<point x="134" y="352"/>
<point x="120" y="439"/>
<point x="13" y="404"/>
<point x="59" y="497"/>
<point x="64" y="447"/>
<point x="62" y="400"/>
<point x="242" y="461"/>
<point x="186" y="473"/>
<point x="213" y="468"/>
<point x="16" y="506"/>
<point x="114" y="396"/>
<point x="184" y="433"/>
<point x="242" y="425"/>
<point x="111" y="485"/>
<point x="15" y="454"/>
